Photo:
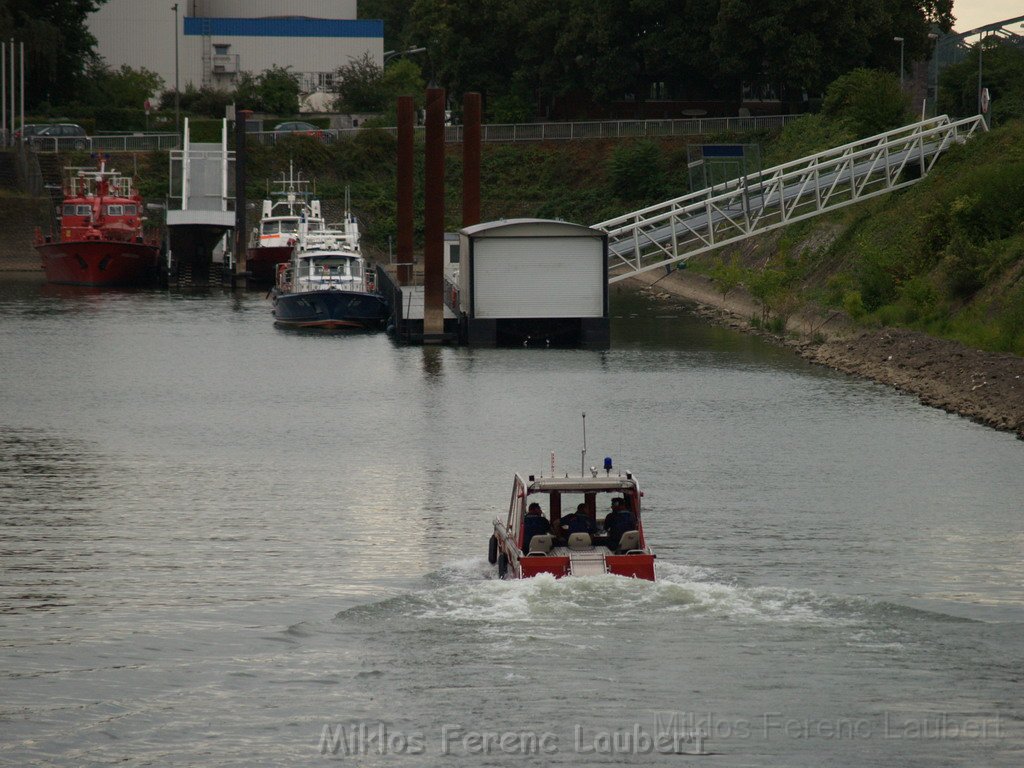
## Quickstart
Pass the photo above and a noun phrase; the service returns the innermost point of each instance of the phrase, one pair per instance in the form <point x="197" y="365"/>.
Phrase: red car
<point x="299" y="129"/>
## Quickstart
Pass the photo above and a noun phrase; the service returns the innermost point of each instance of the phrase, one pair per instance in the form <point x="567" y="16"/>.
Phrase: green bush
<point x="853" y="305"/>
<point x="635" y="171"/>
<point x="866" y="101"/>
<point x="727" y="276"/>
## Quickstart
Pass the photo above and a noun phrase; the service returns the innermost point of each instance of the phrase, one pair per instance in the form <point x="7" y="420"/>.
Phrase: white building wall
<point x="140" y="33"/>
<point x="259" y="9"/>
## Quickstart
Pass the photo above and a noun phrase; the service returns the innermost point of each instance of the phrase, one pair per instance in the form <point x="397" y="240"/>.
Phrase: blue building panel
<point x="284" y="27"/>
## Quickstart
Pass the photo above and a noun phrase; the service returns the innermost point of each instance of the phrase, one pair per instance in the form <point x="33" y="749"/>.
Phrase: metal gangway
<point x="200" y="209"/>
<point x="673" y="231"/>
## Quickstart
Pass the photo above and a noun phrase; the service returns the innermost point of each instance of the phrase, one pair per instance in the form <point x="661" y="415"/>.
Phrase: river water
<point x="226" y="544"/>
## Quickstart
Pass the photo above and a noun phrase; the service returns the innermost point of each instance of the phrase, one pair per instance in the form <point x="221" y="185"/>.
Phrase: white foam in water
<point x="470" y="591"/>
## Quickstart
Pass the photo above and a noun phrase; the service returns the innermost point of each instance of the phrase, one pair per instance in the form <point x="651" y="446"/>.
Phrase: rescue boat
<point x="608" y="538"/>
<point x="101" y="240"/>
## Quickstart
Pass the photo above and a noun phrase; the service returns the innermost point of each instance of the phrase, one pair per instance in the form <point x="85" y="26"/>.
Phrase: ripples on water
<point x="219" y="537"/>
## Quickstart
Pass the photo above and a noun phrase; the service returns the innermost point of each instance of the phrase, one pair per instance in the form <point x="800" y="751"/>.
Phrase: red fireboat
<point x="101" y="242"/>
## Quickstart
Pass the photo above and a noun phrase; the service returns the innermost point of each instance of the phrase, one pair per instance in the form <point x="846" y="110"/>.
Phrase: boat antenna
<point x="583" y="456"/>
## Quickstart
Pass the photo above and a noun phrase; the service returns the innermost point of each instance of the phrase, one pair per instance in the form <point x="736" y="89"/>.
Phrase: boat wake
<point x="466" y="595"/>
<point x="469" y="591"/>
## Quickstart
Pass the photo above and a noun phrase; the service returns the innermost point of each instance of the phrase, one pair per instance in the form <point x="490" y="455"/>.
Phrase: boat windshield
<point x="290" y="227"/>
<point x="336" y="267"/>
<point x="114" y="210"/>
<point x="271" y="227"/>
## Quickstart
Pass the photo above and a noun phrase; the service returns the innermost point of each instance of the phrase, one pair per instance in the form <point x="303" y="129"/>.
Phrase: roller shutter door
<point x="538" y="277"/>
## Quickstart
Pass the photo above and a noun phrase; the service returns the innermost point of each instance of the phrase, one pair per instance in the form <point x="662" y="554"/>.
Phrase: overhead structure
<point x="200" y="208"/>
<point x="662" y="235"/>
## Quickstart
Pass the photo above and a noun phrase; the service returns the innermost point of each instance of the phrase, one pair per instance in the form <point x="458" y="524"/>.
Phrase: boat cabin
<point x="588" y="526"/>
<point x="99" y="204"/>
<point x="341" y="271"/>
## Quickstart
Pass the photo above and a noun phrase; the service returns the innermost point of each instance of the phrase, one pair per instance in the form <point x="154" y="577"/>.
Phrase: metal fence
<point x="127" y="142"/>
<point x="603" y="129"/>
<point x="512" y="132"/>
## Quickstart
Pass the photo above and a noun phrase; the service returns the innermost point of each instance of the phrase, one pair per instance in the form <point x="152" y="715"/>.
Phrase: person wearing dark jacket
<point x="534" y="524"/>
<point x="578" y="522"/>
<point x="618" y="521"/>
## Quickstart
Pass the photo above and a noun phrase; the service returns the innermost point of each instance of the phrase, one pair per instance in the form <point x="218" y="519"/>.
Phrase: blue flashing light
<point x="607" y="463"/>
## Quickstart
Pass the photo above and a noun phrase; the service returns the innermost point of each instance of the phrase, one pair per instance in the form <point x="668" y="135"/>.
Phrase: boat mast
<point x="583" y="455"/>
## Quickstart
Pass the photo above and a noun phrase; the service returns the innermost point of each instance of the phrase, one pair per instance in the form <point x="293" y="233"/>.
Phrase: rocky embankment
<point x="982" y="386"/>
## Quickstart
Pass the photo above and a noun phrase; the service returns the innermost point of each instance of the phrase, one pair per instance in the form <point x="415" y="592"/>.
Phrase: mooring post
<point x="241" y="118"/>
<point x="470" y="159"/>
<point x="433" y="248"/>
<point x="404" y="202"/>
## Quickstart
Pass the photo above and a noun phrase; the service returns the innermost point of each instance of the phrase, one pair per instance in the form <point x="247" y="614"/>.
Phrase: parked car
<point x="61" y="136"/>
<point x="28" y="131"/>
<point x="299" y="128"/>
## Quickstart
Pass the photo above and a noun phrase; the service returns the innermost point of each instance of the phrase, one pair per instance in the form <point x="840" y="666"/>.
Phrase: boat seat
<point x="578" y="541"/>
<point x="541" y="544"/>
<point x="630" y="541"/>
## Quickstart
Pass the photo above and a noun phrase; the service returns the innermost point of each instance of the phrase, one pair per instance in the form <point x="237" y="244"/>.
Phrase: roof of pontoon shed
<point x="580" y="484"/>
<point x="530" y="227"/>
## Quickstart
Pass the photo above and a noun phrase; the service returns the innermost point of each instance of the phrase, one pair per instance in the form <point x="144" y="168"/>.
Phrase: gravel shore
<point x="985" y="387"/>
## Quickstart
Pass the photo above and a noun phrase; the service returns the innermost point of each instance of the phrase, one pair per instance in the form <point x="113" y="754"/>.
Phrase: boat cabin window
<point x="69" y="210"/>
<point x="341" y="268"/>
<point x="271" y="227"/>
<point x="114" y="210"/>
<point x="130" y="210"/>
<point x="290" y="227"/>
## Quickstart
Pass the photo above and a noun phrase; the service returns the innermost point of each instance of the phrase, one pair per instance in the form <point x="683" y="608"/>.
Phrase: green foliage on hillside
<point x="1003" y="69"/>
<point x="945" y="256"/>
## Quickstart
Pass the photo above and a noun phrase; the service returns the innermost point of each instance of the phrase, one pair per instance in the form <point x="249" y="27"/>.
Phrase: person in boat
<point x="618" y="521"/>
<point x="578" y="522"/>
<point x="534" y="524"/>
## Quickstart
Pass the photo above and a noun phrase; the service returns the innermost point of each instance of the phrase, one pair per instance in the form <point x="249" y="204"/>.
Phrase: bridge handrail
<point x="675" y="230"/>
<point x="850" y="151"/>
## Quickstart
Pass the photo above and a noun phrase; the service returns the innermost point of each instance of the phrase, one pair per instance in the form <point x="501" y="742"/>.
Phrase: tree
<point x="358" y="86"/>
<point x="274" y="90"/>
<point x="124" y="87"/>
<point x="402" y="78"/>
<point x="1003" y="75"/>
<point x="207" y="101"/>
<point x="866" y="101"/>
<point x="58" y="45"/>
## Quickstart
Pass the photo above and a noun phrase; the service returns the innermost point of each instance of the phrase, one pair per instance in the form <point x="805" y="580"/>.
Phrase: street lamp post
<point x="933" y="72"/>
<point x="981" y="48"/>
<point x="408" y="51"/>
<point x="900" y="41"/>
<point x="177" y="88"/>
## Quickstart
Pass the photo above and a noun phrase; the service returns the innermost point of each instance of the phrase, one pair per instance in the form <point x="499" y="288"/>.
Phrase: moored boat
<point x="574" y="537"/>
<point x="101" y="240"/>
<point x="326" y="285"/>
<point x="271" y="243"/>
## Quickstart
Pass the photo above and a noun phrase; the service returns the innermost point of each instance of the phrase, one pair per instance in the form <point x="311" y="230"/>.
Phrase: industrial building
<point x="215" y="40"/>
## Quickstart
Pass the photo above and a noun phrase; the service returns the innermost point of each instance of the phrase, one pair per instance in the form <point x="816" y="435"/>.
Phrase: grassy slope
<point x="945" y="256"/>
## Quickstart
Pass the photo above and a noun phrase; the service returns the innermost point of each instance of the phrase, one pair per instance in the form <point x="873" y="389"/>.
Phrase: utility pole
<point x="177" y="87"/>
<point x="900" y="41"/>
